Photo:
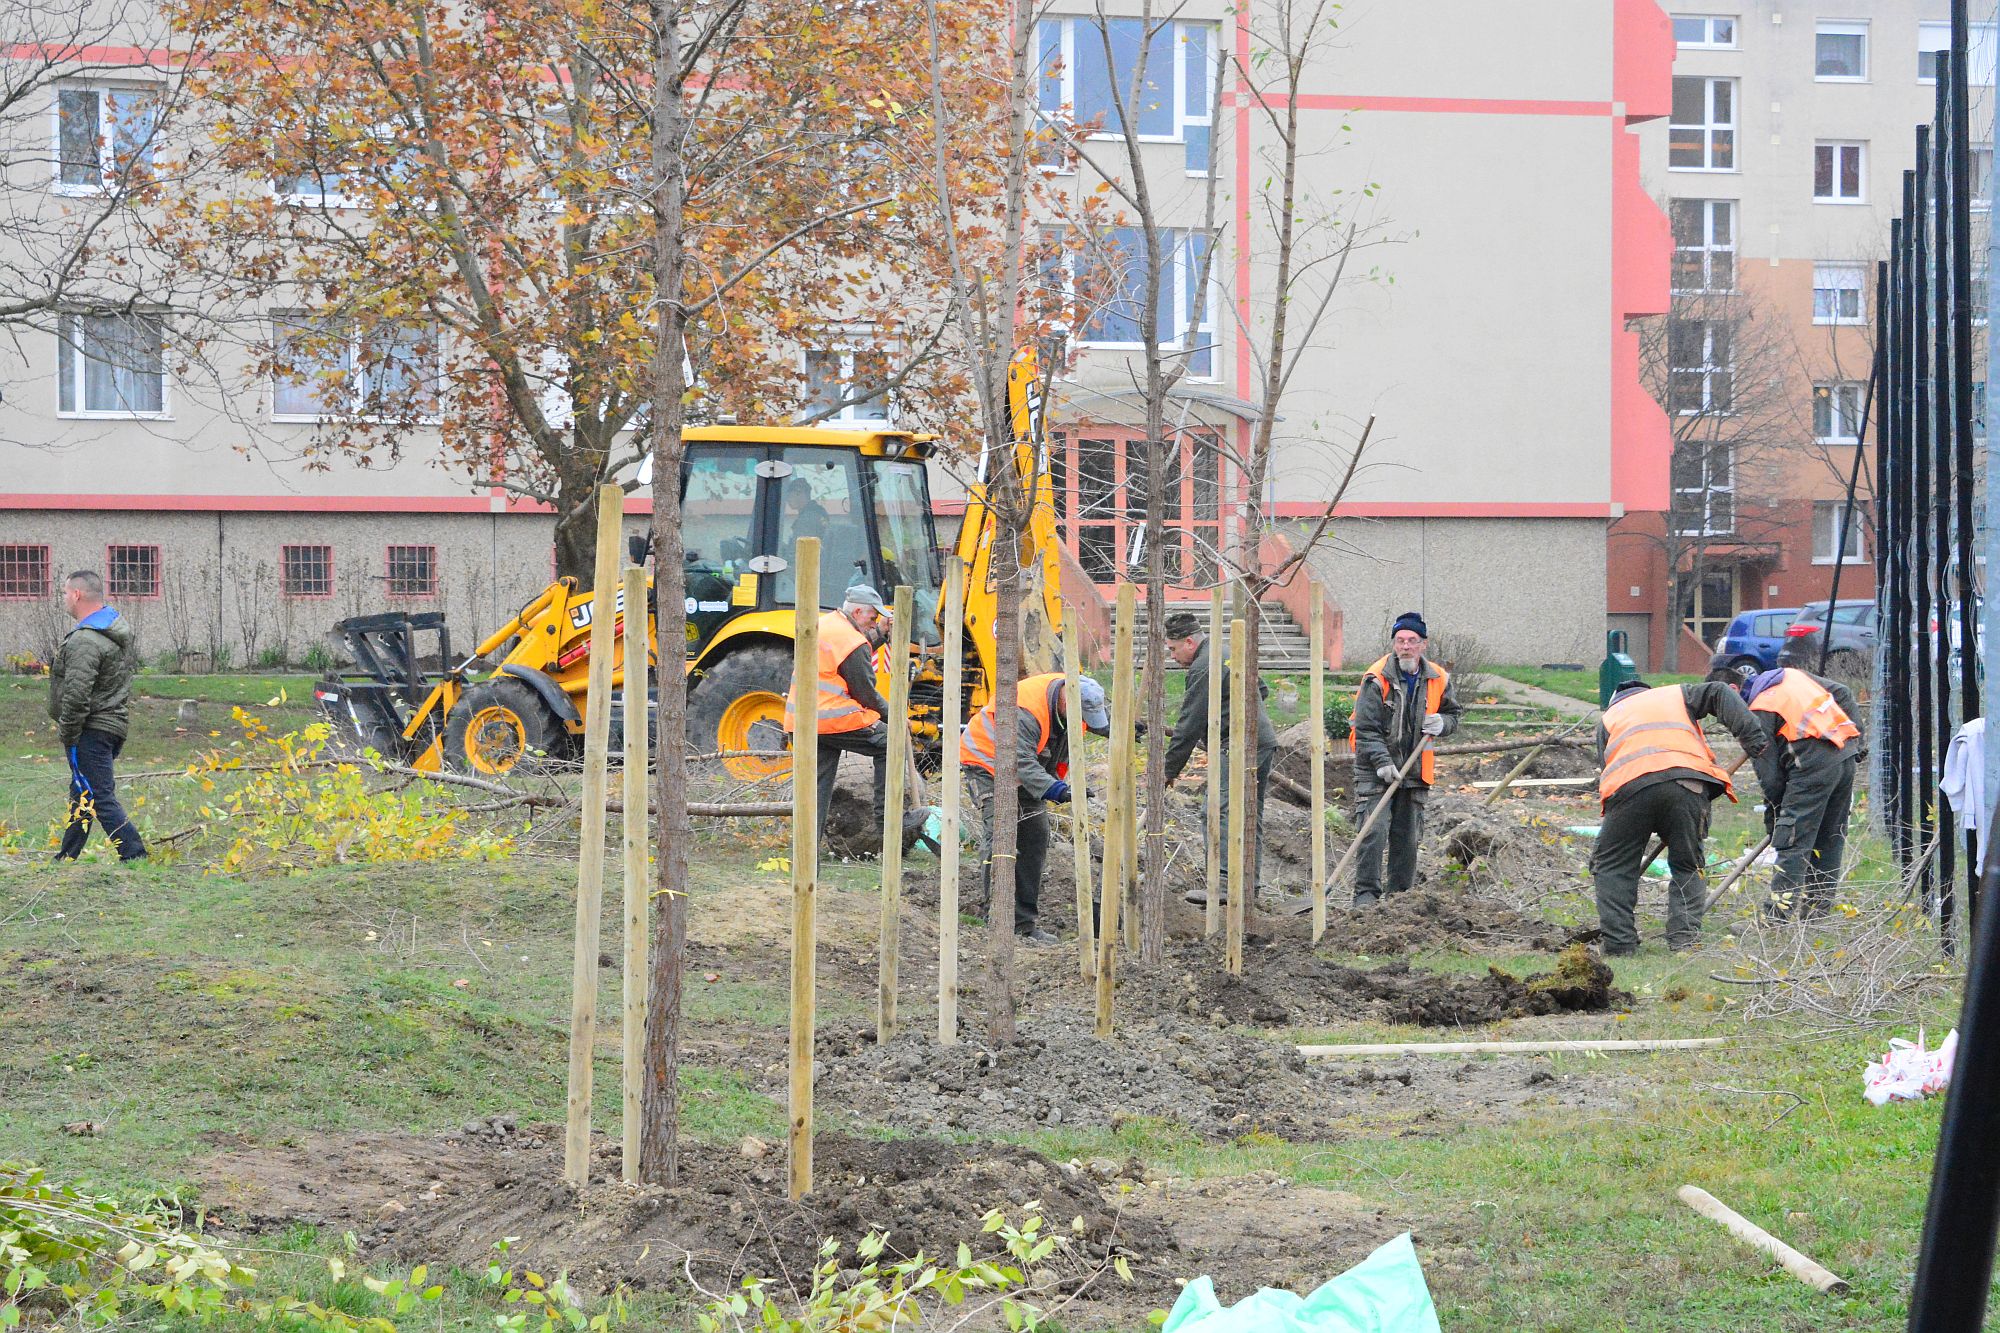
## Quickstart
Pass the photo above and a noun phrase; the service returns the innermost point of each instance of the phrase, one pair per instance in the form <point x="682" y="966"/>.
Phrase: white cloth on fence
<point x="1964" y="780"/>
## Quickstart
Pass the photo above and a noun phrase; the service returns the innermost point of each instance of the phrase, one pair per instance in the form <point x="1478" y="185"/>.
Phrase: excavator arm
<point x="1041" y="603"/>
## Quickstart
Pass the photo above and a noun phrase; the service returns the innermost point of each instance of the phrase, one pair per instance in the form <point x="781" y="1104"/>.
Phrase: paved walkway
<point x="1515" y="692"/>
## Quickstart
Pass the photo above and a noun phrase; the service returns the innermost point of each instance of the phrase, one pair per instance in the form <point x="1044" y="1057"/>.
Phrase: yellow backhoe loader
<point x="747" y="495"/>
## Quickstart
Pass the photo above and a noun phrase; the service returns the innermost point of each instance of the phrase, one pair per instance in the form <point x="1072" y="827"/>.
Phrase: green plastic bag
<point x="1384" y="1293"/>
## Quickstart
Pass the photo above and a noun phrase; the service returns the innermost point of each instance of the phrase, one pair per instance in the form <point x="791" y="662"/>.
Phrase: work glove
<point x="1434" y="724"/>
<point x="1139" y="728"/>
<point x="1386" y="772"/>
<point x="1058" y="791"/>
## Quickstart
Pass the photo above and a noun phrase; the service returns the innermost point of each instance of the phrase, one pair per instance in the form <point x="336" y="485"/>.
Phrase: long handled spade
<point x="1380" y="807"/>
<point x="1736" y="873"/>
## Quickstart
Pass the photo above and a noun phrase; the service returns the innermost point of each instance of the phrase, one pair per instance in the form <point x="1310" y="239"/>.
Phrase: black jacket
<point x="1387" y="729"/>
<point x="1191" y="728"/>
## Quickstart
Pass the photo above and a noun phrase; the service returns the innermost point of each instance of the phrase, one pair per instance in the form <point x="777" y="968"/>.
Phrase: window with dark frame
<point x="24" y="571"/>
<point x="132" y="571"/>
<point x="412" y="571"/>
<point x="306" y="571"/>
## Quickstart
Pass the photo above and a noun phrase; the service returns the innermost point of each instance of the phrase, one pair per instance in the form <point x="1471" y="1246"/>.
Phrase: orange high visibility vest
<point x="975" y="744"/>
<point x="1808" y="708"/>
<point x="838" y="710"/>
<point x="1651" y="732"/>
<point x="1433" y="696"/>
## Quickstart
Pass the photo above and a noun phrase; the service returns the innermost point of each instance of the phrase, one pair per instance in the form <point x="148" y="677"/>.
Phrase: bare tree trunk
<point x="1000" y="1025"/>
<point x="659" y="1155"/>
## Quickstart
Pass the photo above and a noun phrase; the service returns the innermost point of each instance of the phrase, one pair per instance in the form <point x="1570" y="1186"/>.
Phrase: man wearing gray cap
<point x="1041" y="769"/>
<point x="851" y="708"/>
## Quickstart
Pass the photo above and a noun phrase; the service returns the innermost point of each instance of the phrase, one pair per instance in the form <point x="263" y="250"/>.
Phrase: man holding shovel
<point x="1659" y="776"/>
<point x="1405" y="702"/>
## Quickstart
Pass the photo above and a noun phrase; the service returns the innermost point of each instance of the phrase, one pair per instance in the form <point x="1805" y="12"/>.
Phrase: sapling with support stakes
<point x="1212" y="912"/>
<point x="1079" y="806"/>
<point x="1317" y="729"/>
<point x="892" y="812"/>
<point x="590" y="855"/>
<point x="1239" y="778"/>
<point x="1118" y="793"/>
<point x="948" y="816"/>
<point x="805" y="867"/>
<point x="633" y="823"/>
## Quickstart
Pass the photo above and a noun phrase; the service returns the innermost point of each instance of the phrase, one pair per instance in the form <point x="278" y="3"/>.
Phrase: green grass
<point x="175" y="1007"/>
<point x="1579" y="684"/>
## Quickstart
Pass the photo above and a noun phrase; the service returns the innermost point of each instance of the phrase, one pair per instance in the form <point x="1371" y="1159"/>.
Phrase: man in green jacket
<point x="1187" y="644"/>
<point x="90" y="694"/>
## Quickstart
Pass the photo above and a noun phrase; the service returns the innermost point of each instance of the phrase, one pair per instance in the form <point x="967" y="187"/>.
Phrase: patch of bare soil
<point x="446" y="1200"/>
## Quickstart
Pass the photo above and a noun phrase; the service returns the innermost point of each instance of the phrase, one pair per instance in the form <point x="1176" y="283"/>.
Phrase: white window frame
<point x="70" y="345"/>
<point x="107" y="146"/>
<point x="1841" y="28"/>
<point x="1178" y="259"/>
<point x="1980" y="57"/>
<point x="1708" y="22"/>
<point x="358" y="374"/>
<point x="1836" y="278"/>
<point x="850" y="415"/>
<point x="1708" y="490"/>
<point x="1708" y="247"/>
<point x="1822" y="554"/>
<point x="1838" y="148"/>
<point x="1709" y="126"/>
<point x="1844" y="422"/>
<point x="1707" y="371"/>
<point x="1184" y="83"/>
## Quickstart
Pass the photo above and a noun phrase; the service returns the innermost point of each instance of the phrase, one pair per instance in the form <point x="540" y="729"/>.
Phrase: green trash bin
<point x="1618" y="666"/>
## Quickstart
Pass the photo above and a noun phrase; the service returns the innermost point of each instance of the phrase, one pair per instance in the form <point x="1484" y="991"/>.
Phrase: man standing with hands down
<point x="1188" y="645"/>
<point x="1405" y="700"/>
<point x="1041" y="769"/>
<point x="90" y="693"/>
<point x="1659" y="776"/>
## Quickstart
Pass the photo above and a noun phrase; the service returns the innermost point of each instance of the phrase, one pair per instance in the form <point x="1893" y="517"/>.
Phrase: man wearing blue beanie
<point x="1404" y="701"/>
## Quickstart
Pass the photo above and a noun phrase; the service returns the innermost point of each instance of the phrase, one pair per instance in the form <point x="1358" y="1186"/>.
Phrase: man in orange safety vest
<point x="1808" y="780"/>
<point x="1659" y="776"/>
<point x="851" y="707"/>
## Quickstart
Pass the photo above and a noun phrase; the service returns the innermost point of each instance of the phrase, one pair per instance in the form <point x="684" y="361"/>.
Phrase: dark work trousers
<point x="1631" y="818"/>
<point x="93" y="793"/>
<point x="1031" y="850"/>
<point x="1255" y="804"/>
<point x="1810" y="837"/>
<point x="1399" y="830"/>
<point x="871" y="741"/>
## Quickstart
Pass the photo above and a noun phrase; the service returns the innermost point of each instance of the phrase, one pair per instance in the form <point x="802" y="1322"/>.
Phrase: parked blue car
<point x="1753" y="640"/>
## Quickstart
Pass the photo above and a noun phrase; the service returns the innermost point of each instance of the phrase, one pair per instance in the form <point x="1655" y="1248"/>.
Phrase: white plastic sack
<point x="1907" y="1072"/>
<point x="1384" y="1293"/>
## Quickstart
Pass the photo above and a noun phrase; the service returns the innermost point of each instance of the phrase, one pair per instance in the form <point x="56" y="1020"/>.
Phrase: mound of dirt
<point x="1565" y="760"/>
<point x="445" y="1200"/>
<point x="1427" y="919"/>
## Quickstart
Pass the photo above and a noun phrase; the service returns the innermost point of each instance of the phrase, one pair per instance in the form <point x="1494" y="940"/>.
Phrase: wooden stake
<point x="1317" y="696"/>
<point x="1508" y="1047"/>
<point x="805" y="865"/>
<point x="953" y="630"/>
<point x="1079" y="808"/>
<point x="892" y="813"/>
<point x="637" y="889"/>
<point x="1111" y="882"/>
<point x="1741" y="1227"/>
<point x="1239" y="779"/>
<point x="1129" y="775"/>
<point x="1217" y="646"/>
<point x="590" y="858"/>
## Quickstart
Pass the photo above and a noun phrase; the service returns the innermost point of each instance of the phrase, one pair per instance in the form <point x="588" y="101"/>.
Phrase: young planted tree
<point x="457" y="204"/>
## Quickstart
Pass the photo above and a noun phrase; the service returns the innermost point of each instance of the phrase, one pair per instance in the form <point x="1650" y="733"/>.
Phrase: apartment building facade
<point x="1491" y="345"/>
<point x="1781" y="166"/>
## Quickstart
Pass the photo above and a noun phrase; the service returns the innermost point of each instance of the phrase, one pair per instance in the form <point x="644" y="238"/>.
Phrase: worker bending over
<point x="1404" y="700"/>
<point x="1808" y="783"/>
<point x="1187" y="644"/>
<point x="851" y="707"/>
<point x="1659" y="776"/>
<point x="1041" y="771"/>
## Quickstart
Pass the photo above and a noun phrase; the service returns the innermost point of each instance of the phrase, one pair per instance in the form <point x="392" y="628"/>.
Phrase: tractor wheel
<point x="499" y="726"/>
<point x="739" y="705"/>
